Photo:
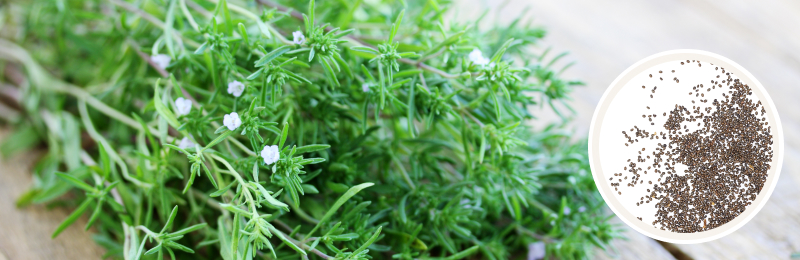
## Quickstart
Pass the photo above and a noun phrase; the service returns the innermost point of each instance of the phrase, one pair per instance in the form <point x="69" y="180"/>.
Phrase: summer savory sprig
<point x="353" y="130"/>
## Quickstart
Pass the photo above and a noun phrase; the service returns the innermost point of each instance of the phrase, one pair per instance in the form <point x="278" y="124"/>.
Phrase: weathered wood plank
<point x="26" y="232"/>
<point x="635" y="246"/>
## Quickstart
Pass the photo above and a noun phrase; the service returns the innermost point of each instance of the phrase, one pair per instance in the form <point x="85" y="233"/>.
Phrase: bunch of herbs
<point x="208" y="129"/>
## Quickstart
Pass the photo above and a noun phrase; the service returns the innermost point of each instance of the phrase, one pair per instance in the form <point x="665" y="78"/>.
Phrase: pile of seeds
<point x="727" y="158"/>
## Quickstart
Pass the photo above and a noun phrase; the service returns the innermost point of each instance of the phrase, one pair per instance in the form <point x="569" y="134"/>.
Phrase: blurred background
<point x="603" y="39"/>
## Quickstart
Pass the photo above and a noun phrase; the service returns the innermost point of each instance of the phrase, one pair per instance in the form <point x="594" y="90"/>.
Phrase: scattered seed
<point x="704" y="196"/>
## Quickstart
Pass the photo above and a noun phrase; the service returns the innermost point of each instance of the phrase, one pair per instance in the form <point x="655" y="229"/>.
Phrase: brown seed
<point x="710" y="196"/>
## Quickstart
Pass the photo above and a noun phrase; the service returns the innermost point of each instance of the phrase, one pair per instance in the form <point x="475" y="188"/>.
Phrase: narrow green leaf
<point x="255" y="74"/>
<point x="171" y="146"/>
<point x="463" y="254"/>
<point x="154" y="250"/>
<point x="345" y="19"/>
<point x="274" y="202"/>
<point x="465" y="141"/>
<point x="168" y="29"/>
<point x="201" y="49"/>
<point x="311" y="148"/>
<point x="235" y="234"/>
<point x="272" y="55"/>
<point x="499" y="54"/>
<point x="310" y="189"/>
<point x="72" y="217"/>
<point x="176" y="88"/>
<point x="243" y="32"/>
<point x="311" y="161"/>
<point x="369" y="242"/>
<point x="287" y="241"/>
<point x="367" y="73"/>
<point x="401" y="208"/>
<point x="234" y="209"/>
<point x="222" y="191"/>
<point x="296" y="77"/>
<point x="284" y="134"/>
<point x="222" y="10"/>
<point x="450" y="40"/>
<point x="171" y="219"/>
<point x="224" y="239"/>
<point x="343" y="64"/>
<point x="104" y="160"/>
<point x="97" y="209"/>
<point x="406" y="73"/>
<point x="175" y="245"/>
<point x="396" y="26"/>
<point x="505" y="92"/>
<point x="329" y="71"/>
<point x="310" y="15"/>
<point x="138" y="253"/>
<point x="190" y="182"/>
<point x="162" y="110"/>
<point x="218" y="139"/>
<point x="346" y="196"/>
<point x="365" y="49"/>
<point x="77" y="183"/>
<point x="496" y="103"/>
<point x="382" y="86"/>
<point x="483" y="147"/>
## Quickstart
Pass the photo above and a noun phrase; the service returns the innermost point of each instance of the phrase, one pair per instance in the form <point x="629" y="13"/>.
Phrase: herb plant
<point x="208" y="129"/>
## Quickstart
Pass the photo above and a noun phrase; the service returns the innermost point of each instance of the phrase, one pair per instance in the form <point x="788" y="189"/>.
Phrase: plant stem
<point x="266" y="28"/>
<point x="152" y="19"/>
<point x="215" y="204"/>
<point x="42" y="79"/>
<point x="404" y="173"/>
<point x="303" y="215"/>
<point x="146" y="231"/>
<point x="188" y="15"/>
<point x="242" y="183"/>
<point x="299" y="244"/>
<point x="111" y="153"/>
<point x="360" y="42"/>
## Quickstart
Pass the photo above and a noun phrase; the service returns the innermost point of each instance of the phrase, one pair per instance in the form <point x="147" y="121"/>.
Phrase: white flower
<point x="183" y="106"/>
<point x="476" y="56"/>
<point x="161" y="60"/>
<point x="185" y="143"/>
<point x="582" y="209"/>
<point x="270" y="154"/>
<point x="232" y="121"/>
<point x="567" y="210"/>
<point x="235" y="88"/>
<point x="365" y="87"/>
<point x="299" y="38"/>
<point x="536" y="250"/>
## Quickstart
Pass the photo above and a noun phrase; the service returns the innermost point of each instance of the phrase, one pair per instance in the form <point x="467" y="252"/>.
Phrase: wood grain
<point x="25" y="233"/>
<point x="605" y="37"/>
<point x="634" y="246"/>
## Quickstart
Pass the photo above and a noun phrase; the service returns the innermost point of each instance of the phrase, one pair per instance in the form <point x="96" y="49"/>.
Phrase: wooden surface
<point x="25" y="233"/>
<point x="605" y="37"/>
